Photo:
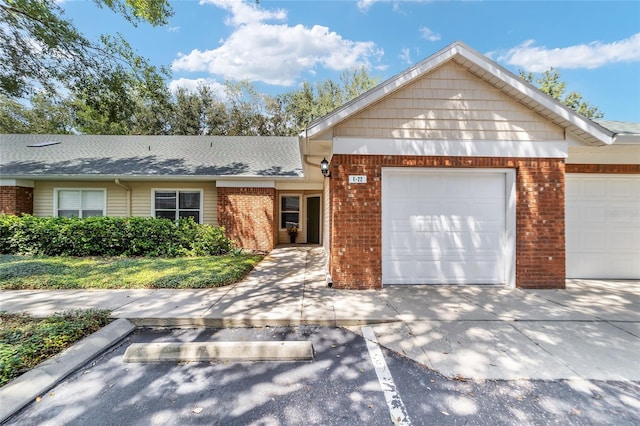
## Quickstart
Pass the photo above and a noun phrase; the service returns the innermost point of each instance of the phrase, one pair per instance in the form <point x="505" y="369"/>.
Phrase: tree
<point x="117" y="104"/>
<point x="44" y="115"/>
<point x="549" y="82"/>
<point x="41" y="50"/>
<point x="310" y="102"/>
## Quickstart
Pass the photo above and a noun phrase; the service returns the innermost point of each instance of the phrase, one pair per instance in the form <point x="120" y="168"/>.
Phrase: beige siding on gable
<point x="117" y="197"/>
<point x="450" y="103"/>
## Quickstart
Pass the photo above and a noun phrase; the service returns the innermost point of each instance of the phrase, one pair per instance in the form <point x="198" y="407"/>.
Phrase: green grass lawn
<point x="26" y="272"/>
<point x="26" y="341"/>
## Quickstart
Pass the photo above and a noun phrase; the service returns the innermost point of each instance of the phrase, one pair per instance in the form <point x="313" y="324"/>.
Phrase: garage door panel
<point x="444" y="272"/>
<point x="447" y="238"/>
<point x="603" y="226"/>
<point x="452" y="230"/>
<point x="443" y="224"/>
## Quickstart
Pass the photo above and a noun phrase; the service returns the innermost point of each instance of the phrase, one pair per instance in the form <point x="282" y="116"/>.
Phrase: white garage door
<point x="445" y="227"/>
<point x="603" y="226"/>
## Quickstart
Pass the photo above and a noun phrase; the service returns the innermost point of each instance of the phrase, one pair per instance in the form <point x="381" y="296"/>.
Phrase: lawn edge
<point x="23" y="390"/>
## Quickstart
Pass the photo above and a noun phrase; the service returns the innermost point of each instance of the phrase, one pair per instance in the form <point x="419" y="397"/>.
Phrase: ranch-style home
<point x="455" y="171"/>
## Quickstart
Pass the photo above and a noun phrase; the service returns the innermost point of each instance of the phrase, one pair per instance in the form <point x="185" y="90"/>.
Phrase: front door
<point x="313" y="220"/>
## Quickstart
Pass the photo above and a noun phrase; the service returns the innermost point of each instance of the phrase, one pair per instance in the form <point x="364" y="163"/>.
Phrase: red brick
<point x="356" y="225"/>
<point x="16" y="200"/>
<point x="248" y="216"/>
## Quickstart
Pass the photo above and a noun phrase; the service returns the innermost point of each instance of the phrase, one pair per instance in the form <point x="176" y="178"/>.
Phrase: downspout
<point x="126" y="188"/>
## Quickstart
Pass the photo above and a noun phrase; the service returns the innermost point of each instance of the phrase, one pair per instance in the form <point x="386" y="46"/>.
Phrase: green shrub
<point x="109" y="236"/>
<point x="26" y="341"/>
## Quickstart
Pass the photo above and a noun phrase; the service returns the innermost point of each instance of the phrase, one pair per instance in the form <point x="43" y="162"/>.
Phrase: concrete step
<point x="219" y="351"/>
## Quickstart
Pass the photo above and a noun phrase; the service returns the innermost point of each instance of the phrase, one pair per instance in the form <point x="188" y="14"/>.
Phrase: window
<point x="80" y="202"/>
<point x="289" y="211"/>
<point x="176" y="205"/>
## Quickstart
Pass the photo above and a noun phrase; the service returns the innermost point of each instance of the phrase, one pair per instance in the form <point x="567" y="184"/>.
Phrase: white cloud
<point x="364" y="5"/>
<point x="246" y="13"/>
<point x="173" y="29"/>
<point x="192" y="85"/>
<point x="405" y="56"/>
<point x="274" y="53"/>
<point x="593" y="55"/>
<point x="428" y="34"/>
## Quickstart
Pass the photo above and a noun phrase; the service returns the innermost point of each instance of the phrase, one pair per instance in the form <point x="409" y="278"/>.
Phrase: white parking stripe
<point x="396" y="406"/>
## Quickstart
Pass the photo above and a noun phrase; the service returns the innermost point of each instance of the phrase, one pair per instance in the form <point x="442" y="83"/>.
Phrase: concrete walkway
<point x="591" y="330"/>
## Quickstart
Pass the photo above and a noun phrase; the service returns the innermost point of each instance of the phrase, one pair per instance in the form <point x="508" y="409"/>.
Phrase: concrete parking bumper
<point x="219" y="351"/>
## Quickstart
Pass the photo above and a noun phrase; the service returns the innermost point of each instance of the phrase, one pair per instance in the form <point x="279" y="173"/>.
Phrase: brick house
<point x="453" y="172"/>
<point x="456" y="171"/>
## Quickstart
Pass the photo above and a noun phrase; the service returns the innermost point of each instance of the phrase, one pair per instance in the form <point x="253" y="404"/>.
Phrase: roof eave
<point x="626" y="138"/>
<point x="199" y="178"/>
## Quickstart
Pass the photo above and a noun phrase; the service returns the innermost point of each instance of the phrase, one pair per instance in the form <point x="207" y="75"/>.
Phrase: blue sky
<point x="278" y="44"/>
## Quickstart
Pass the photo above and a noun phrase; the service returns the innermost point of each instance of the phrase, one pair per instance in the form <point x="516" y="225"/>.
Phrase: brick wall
<point x="16" y="200"/>
<point x="603" y="168"/>
<point x="248" y="215"/>
<point x="356" y="217"/>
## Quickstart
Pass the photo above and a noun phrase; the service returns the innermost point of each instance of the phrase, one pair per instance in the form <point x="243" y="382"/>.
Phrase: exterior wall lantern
<point x="324" y="168"/>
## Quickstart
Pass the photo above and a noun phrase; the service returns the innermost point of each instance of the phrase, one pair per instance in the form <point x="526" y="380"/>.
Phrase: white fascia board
<point x="447" y="148"/>
<point x="626" y="138"/>
<point x="530" y="91"/>
<point x="17" y="182"/>
<point x="147" y="178"/>
<point x="245" y="184"/>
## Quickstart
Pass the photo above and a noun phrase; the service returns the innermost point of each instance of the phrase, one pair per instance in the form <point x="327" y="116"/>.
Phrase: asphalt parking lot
<point x="342" y="385"/>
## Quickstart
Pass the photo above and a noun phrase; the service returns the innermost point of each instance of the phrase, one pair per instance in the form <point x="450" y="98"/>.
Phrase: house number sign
<point x="358" y="179"/>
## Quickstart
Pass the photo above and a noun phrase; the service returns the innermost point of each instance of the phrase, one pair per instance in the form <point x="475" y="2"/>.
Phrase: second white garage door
<point x="603" y="226"/>
<point x="447" y="226"/>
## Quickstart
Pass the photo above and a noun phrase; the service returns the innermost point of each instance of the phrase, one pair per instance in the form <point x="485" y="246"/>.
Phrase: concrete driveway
<point x="591" y="330"/>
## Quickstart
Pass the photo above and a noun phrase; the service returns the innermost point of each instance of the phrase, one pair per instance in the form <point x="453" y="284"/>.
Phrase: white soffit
<point x="486" y="69"/>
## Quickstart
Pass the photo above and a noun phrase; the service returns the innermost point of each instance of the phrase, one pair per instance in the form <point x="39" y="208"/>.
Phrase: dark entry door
<point x="313" y="220"/>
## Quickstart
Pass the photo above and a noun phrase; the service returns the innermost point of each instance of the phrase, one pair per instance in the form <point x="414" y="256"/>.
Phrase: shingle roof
<point x="146" y="156"/>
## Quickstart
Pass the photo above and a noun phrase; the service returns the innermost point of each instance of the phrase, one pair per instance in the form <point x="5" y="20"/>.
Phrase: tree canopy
<point x="41" y="50"/>
<point x="239" y="110"/>
<point x="549" y="82"/>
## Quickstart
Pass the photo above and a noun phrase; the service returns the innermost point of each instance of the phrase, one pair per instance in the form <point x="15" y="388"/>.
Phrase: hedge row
<point x="109" y="236"/>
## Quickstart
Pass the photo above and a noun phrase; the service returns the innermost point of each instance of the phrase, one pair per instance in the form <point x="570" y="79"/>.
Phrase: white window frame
<point x="177" y="191"/>
<point x="300" y="200"/>
<point x="57" y="190"/>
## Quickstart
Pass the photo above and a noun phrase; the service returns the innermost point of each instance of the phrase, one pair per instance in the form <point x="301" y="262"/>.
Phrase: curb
<point x="231" y="322"/>
<point x="23" y="390"/>
<point x="219" y="351"/>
